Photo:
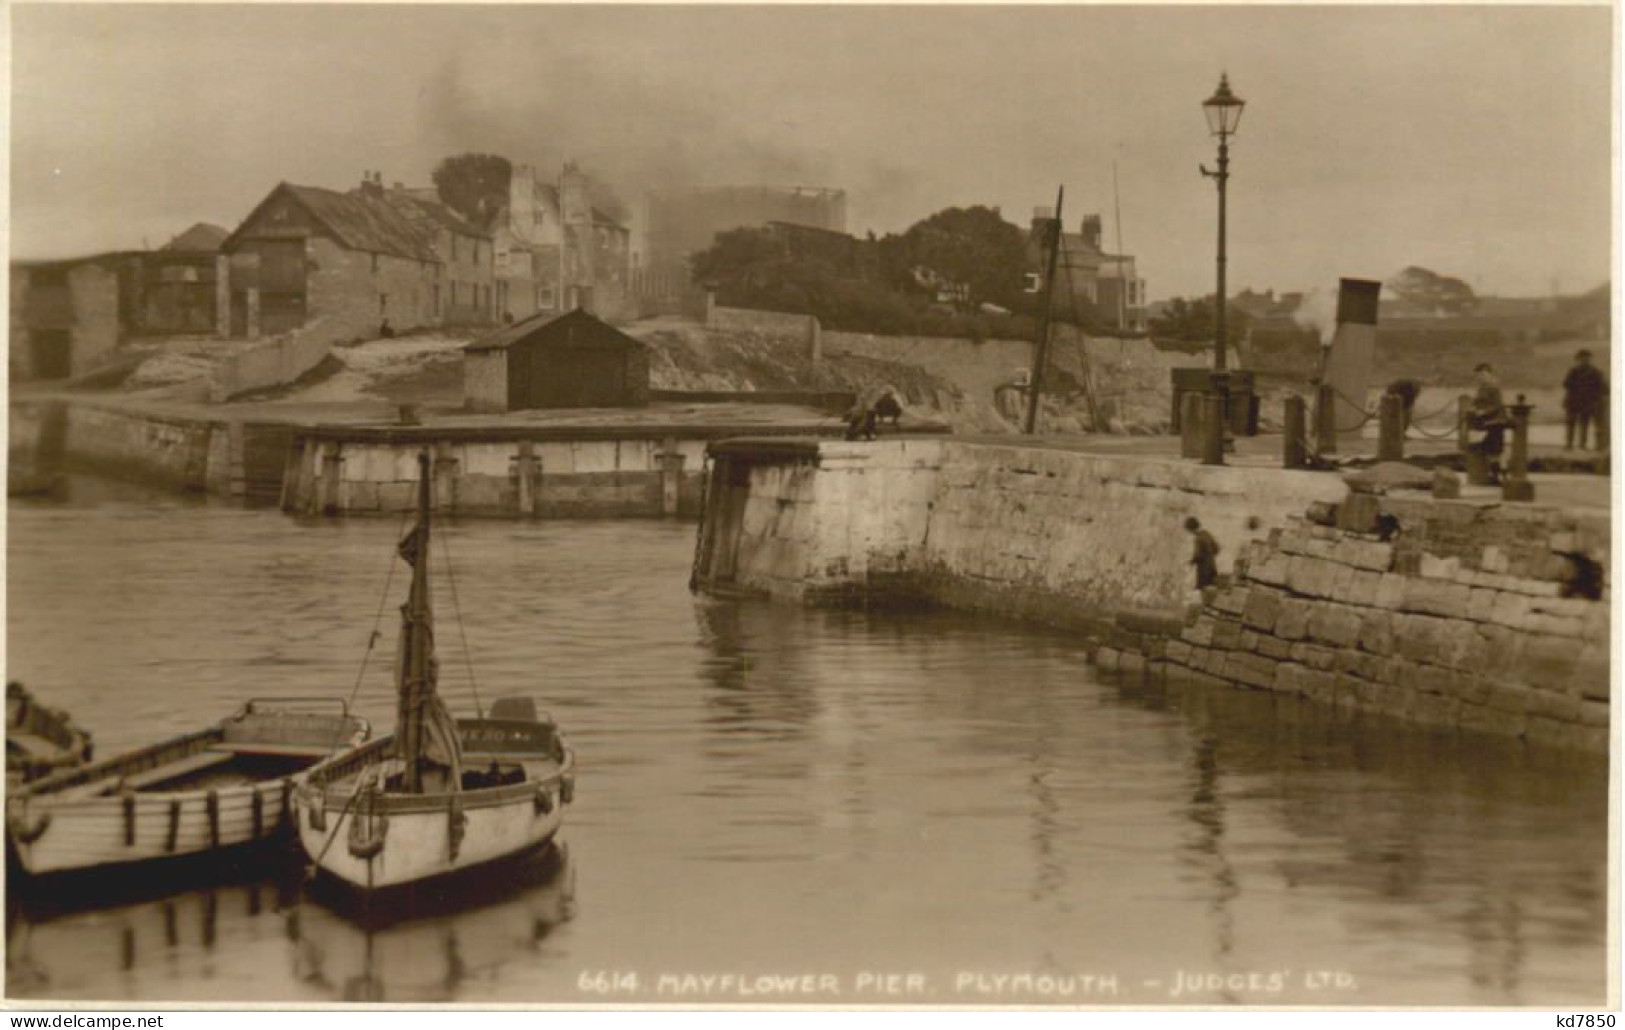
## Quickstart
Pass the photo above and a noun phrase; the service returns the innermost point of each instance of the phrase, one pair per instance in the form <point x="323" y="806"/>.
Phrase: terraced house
<point x="308" y="256"/>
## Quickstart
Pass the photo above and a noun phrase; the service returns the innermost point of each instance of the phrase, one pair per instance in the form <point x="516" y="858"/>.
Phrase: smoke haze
<point x="1474" y="140"/>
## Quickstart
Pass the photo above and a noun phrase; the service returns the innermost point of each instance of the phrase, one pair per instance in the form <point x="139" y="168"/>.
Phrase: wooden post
<point x="671" y="476"/>
<point x="331" y="474"/>
<point x="526" y="468"/>
<point x="253" y="317"/>
<point x="1391" y="429"/>
<point x="1212" y="429"/>
<point x="1190" y="425"/>
<point x="444" y="497"/>
<point x="236" y="471"/>
<point x="1294" y="448"/>
<point x="1516" y="486"/>
<point x="222" y="296"/>
<point x="1325" y="419"/>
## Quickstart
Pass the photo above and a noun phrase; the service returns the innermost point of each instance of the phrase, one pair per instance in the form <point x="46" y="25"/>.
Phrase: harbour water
<point x="788" y="805"/>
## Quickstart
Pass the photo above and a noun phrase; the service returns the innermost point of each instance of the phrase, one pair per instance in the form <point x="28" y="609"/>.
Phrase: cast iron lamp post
<point x="1223" y="110"/>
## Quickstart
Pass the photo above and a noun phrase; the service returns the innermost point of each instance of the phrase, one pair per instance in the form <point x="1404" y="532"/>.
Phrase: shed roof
<point x="553" y="329"/>
<point x="200" y="237"/>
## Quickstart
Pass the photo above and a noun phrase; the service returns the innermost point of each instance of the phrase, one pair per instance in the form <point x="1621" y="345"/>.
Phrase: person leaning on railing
<point x="1488" y="416"/>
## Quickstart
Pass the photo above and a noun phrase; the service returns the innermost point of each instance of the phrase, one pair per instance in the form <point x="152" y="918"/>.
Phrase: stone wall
<point x="276" y="362"/>
<point x="168" y="452"/>
<point x="770" y="323"/>
<point x="96" y="330"/>
<point x="1351" y="620"/>
<point x="1458" y="614"/>
<point x="344" y="288"/>
<point x="1053" y="535"/>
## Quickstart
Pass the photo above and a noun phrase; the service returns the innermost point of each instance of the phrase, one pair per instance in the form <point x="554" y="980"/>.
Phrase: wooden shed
<point x="565" y="361"/>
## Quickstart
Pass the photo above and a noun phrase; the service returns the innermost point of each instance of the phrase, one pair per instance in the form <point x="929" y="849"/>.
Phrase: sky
<point x="1474" y="140"/>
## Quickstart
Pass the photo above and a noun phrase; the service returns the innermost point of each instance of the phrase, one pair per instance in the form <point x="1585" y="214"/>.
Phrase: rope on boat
<point x="377" y="620"/>
<point x="457" y="607"/>
<point x="310" y="874"/>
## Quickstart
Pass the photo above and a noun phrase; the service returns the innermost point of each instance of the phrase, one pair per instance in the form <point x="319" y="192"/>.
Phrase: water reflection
<point x="61" y="935"/>
<point x="434" y="945"/>
<point x="766" y="788"/>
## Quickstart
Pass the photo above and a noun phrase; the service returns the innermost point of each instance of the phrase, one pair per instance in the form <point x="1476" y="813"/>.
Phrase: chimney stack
<point x="1091" y="231"/>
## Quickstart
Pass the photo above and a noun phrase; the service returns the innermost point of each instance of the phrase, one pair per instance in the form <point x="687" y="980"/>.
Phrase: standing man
<point x="1204" y="554"/>
<point x="1488" y="415"/>
<point x="1583" y="391"/>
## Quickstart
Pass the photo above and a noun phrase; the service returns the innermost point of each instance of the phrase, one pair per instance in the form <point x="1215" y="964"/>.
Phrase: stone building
<point x="556" y="252"/>
<point x="67" y="317"/>
<point x="572" y="360"/>
<point x="180" y="283"/>
<point x="1105" y="286"/>
<point x="354" y="259"/>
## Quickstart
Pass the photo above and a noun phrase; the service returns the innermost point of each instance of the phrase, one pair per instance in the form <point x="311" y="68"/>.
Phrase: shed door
<point x="282" y="285"/>
<point x="578" y="378"/>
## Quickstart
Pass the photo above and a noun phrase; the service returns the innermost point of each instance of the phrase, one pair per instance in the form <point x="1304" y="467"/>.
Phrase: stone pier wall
<point x="1049" y="535"/>
<point x="1483" y="638"/>
<point x="1462" y="613"/>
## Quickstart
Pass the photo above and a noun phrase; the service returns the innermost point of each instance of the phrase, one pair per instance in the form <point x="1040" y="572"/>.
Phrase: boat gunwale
<point x="153" y="756"/>
<point x="317" y="783"/>
<point x="46" y="790"/>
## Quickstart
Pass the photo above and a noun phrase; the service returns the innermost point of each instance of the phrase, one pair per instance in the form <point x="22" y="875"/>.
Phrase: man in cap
<point x="1584" y="389"/>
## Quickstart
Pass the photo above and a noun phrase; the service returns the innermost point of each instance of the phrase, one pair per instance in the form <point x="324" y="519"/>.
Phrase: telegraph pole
<point x="1035" y="389"/>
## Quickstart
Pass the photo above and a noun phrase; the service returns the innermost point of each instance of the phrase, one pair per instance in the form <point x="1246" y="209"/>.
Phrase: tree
<point x="474" y="185"/>
<point x="970" y="245"/>
<point x="1193" y="322"/>
<point x="1428" y="289"/>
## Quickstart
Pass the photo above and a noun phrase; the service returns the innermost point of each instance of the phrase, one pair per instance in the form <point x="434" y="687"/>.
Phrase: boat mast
<point x="417" y="621"/>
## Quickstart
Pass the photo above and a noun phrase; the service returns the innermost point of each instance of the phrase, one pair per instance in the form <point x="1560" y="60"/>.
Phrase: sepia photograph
<point x="905" y="507"/>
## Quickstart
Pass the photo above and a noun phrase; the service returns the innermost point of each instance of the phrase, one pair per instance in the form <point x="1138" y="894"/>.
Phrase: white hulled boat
<point x="439" y="795"/>
<point x="227" y="785"/>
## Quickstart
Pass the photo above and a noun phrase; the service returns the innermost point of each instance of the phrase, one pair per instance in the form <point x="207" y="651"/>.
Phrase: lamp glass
<point x="1223" y="109"/>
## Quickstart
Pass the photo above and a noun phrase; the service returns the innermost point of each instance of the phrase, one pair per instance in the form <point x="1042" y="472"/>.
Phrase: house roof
<point x="558" y="327"/>
<point x="430" y="215"/>
<point x="203" y="236"/>
<point x="359" y="222"/>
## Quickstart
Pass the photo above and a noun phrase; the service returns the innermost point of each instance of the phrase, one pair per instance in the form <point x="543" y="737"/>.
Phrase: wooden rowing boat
<point x="39" y="740"/>
<point x="438" y="795"/>
<point x="224" y="786"/>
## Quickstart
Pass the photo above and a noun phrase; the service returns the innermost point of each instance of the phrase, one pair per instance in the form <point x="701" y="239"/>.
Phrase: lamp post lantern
<point x="1223" y="110"/>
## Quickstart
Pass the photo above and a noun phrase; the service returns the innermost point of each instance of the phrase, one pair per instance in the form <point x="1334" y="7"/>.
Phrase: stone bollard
<point x="1294" y="448"/>
<point x="1212" y="429"/>
<point x="1325" y="419"/>
<point x="1516" y="486"/>
<point x="1391" y="429"/>
<point x="1190" y="425"/>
